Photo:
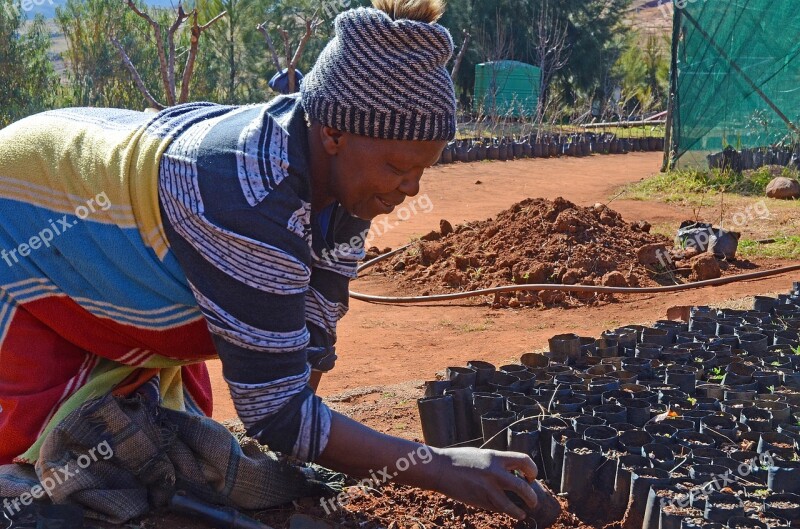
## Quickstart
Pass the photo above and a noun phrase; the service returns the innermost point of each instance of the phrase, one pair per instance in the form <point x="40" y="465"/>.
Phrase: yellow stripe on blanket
<point x="63" y="160"/>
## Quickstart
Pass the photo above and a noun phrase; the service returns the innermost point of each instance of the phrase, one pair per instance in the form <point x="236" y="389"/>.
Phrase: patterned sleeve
<point x="230" y="189"/>
<point x="334" y="263"/>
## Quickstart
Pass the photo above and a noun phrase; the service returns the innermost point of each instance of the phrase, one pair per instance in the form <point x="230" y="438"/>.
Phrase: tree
<point x="95" y="75"/>
<point x="591" y="30"/>
<point x="167" y="58"/>
<point x="551" y="50"/>
<point x="643" y="72"/>
<point x="28" y="83"/>
<point x="311" y="23"/>
<point x="299" y="21"/>
<point x="230" y="68"/>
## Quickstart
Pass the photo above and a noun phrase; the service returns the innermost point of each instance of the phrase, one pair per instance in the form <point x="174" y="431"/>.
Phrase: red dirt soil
<point x="535" y="241"/>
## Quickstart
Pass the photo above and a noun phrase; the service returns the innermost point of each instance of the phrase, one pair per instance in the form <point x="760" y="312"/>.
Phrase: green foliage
<point x="682" y="183"/>
<point x="231" y="65"/>
<point x="234" y="63"/>
<point x="508" y="28"/>
<point x="643" y="70"/>
<point x="783" y="248"/>
<point x="96" y="76"/>
<point x="28" y="82"/>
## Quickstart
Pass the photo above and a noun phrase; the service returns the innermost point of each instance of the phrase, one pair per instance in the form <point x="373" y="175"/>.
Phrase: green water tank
<point x="506" y="88"/>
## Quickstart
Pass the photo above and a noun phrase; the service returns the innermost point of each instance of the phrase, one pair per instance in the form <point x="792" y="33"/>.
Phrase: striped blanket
<point x="91" y="299"/>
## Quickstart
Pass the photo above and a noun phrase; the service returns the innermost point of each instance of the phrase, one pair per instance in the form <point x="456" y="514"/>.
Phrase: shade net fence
<point x="736" y="78"/>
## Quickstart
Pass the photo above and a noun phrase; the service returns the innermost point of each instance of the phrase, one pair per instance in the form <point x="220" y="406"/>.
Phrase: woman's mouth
<point x="387" y="206"/>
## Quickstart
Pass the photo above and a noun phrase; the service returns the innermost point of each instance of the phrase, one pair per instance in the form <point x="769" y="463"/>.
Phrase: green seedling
<point x="796" y="350"/>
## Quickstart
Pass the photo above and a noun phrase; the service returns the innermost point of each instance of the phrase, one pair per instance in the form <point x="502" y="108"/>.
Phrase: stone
<point x="445" y="228"/>
<point x="783" y="188"/>
<point x="705" y="267"/>
<point x="653" y="254"/>
<point x="614" y="279"/>
<point x="571" y="277"/>
<point x="454" y="278"/>
<point x="568" y="221"/>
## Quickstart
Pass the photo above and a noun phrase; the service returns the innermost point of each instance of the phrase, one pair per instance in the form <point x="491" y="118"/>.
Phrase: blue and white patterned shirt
<point x="235" y="197"/>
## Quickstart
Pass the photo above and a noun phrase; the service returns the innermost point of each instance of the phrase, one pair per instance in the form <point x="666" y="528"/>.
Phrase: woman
<point x="135" y="248"/>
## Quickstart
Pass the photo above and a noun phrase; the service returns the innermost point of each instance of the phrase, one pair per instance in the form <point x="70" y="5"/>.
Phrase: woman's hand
<point x="481" y="478"/>
<point x="477" y="477"/>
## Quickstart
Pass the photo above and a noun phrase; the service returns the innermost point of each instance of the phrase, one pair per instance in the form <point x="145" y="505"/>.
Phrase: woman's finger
<point x="501" y="503"/>
<point x="521" y="488"/>
<point x="523" y="464"/>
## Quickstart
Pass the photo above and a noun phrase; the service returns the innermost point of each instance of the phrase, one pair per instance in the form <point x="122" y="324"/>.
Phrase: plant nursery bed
<point x="674" y="426"/>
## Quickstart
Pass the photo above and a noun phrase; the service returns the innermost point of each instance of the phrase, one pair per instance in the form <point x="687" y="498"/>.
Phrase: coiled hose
<point x="562" y="288"/>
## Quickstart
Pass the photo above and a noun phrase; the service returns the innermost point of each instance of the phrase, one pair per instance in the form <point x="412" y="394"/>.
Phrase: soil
<point x="783" y="505"/>
<point x="540" y="241"/>
<point x="389" y="506"/>
<point x="688" y="512"/>
<point x="535" y="241"/>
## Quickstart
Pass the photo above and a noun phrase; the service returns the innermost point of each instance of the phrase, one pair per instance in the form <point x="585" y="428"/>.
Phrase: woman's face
<point x="370" y="176"/>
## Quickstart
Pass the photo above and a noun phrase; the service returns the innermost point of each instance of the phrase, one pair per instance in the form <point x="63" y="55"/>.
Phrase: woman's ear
<point x="332" y="139"/>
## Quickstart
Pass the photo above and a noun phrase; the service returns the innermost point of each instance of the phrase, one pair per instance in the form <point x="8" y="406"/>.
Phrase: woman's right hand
<point x="481" y="478"/>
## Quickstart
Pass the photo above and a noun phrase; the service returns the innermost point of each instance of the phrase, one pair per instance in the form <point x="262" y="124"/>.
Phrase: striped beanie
<point x="384" y="78"/>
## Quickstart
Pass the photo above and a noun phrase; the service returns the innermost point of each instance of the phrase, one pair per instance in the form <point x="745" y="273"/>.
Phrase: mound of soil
<point x="535" y="241"/>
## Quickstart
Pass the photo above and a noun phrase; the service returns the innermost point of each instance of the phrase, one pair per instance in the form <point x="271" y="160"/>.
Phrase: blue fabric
<point x="324" y="220"/>
<point x="280" y="81"/>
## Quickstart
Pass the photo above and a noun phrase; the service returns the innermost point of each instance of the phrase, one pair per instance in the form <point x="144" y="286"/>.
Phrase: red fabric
<point x="41" y="365"/>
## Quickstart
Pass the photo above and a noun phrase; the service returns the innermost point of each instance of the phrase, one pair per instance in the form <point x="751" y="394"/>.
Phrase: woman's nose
<point x="410" y="185"/>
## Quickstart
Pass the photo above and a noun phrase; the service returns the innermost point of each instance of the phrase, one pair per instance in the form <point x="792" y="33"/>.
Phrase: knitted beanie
<point x="384" y="78"/>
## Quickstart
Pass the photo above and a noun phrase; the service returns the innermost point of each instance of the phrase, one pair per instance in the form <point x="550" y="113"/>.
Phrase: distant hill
<point x="651" y="16"/>
<point x="47" y="8"/>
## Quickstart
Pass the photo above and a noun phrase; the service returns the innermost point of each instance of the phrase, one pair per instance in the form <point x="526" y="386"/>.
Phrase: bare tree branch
<point x="167" y="61"/>
<point x="551" y="49"/>
<point x="126" y="61"/>
<point x="460" y="55"/>
<point x="162" y="58"/>
<point x="275" y="59"/>
<point x="286" y="50"/>
<point x="188" y="69"/>
<point x="312" y="23"/>
<point x="311" y="26"/>
<point x="180" y="18"/>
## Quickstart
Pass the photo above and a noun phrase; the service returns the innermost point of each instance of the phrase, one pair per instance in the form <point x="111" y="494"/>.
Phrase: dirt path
<point x="383" y="344"/>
